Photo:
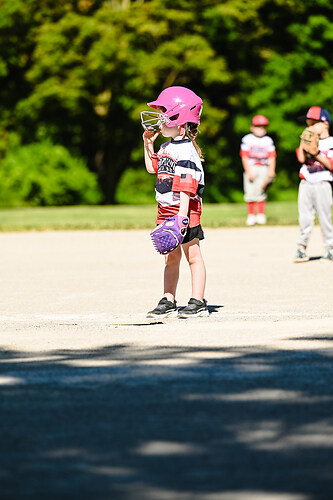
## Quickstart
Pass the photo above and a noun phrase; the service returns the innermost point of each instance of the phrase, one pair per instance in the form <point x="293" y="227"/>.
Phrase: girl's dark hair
<point x="191" y="131"/>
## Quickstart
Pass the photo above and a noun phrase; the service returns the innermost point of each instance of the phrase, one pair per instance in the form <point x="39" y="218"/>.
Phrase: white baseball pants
<point x="252" y="190"/>
<point x="315" y="198"/>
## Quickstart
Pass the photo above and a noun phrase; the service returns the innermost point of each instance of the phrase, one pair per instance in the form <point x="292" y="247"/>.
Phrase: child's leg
<point x="251" y="207"/>
<point x="261" y="206"/>
<point x="171" y="273"/>
<point x="197" y="267"/>
<point x="323" y="205"/>
<point x="306" y="213"/>
<point x="251" y="217"/>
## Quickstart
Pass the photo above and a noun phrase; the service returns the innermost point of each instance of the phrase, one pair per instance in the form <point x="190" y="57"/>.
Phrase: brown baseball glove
<point x="310" y="141"/>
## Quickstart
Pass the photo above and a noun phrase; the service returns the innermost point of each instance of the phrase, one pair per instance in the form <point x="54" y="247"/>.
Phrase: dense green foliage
<point x="42" y="174"/>
<point x="77" y="73"/>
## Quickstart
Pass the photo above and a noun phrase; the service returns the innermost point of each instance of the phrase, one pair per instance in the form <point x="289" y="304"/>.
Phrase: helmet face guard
<point x="152" y="119"/>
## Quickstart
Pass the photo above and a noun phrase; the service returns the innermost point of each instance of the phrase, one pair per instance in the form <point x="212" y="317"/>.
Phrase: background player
<point x="179" y="187"/>
<point x="259" y="160"/>
<point x="315" y="191"/>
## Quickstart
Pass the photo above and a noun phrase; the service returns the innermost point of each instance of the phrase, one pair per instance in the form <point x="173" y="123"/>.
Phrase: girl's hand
<point x="250" y="176"/>
<point x="149" y="135"/>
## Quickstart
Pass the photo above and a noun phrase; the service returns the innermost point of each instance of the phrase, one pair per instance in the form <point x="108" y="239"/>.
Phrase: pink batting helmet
<point x="260" y="120"/>
<point x="181" y="106"/>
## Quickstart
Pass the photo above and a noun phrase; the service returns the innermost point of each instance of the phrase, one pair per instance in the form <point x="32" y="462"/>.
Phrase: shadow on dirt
<point x="214" y="308"/>
<point x="166" y="423"/>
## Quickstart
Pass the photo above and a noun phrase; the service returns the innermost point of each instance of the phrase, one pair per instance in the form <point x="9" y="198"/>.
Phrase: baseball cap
<point x="320" y="114"/>
<point x="259" y="120"/>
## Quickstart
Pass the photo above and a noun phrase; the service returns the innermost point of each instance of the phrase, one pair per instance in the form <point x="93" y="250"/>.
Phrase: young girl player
<point x="179" y="187"/>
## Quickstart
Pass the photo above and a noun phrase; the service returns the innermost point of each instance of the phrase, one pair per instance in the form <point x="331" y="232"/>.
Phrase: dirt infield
<point x="98" y="402"/>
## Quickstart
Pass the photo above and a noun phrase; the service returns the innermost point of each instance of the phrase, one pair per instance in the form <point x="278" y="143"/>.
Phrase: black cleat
<point x="164" y="309"/>
<point x="194" y="309"/>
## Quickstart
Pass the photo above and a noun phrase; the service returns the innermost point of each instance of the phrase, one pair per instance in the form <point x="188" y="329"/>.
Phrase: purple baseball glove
<point x="170" y="234"/>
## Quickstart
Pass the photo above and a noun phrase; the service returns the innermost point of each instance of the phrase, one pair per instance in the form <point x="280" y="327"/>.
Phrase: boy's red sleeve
<point x="297" y="155"/>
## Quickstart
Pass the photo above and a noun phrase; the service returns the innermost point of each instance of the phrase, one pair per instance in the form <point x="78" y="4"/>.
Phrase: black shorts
<point x="194" y="232"/>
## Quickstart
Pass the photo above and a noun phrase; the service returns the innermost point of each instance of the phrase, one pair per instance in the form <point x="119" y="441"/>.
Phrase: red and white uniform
<point x="257" y="149"/>
<point x="315" y="195"/>
<point x="178" y="168"/>
<point x="314" y="171"/>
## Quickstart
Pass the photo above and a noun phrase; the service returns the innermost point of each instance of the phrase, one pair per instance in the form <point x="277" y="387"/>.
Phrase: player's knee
<point x="194" y="256"/>
<point x="195" y="260"/>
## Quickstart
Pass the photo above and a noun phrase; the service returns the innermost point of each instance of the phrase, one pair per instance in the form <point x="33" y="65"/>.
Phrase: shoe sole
<point x="199" y="314"/>
<point x="170" y="314"/>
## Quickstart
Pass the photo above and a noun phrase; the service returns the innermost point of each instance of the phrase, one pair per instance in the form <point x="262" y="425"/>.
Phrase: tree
<point x="92" y="69"/>
<point x="78" y="73"/>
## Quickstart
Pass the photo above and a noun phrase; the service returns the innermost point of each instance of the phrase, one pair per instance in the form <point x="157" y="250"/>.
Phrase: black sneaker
<point x="164" y="309"/>
<point x="195" y="308"/>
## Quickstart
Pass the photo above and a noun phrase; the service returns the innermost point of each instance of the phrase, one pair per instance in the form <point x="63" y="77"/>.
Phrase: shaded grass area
<point x="132" y="217"/>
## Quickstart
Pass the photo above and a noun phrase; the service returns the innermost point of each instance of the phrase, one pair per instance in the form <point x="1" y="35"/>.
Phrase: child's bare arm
<point x="247" y="168"/>
<point x="324" y="161"/>
<point x="271" y="166"/>
<point x="300" y="153"/>
<point x="184" y="203"/>
<point x="149" y="137"/>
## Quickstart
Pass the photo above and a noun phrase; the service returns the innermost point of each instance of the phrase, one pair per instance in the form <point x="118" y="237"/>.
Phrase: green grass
<point x="234" y="215"/>
<point x="132" y="217"/>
